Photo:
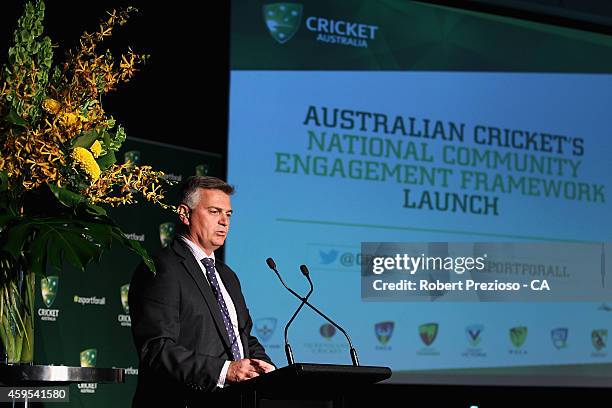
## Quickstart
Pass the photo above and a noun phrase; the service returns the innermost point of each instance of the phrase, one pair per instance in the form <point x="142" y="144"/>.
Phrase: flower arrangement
<point x="58" y="166"/>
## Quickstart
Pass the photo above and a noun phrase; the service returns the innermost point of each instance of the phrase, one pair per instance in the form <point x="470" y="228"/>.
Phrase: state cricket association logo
<point x="474" y="337"/>
<point x="474" y="334"/>
<point x="428" y="333"/>
<point x="518" y="336"/>
<point x="282" y="20"/>
<point x="599" y="339"/>
<point x="384" y="331"/>
<point x="559" y="337"/>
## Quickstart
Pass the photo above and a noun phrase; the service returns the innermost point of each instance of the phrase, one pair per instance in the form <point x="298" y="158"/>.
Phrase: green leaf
<point x="77" y="243"/>
<point x="15" y="237"/>
<point x="66" y="197"/>
<point x="107" y="160"/>
<point x="135" y="247"/>
<point x="14" y="118"/>
<point x="3" y="181"/>
<point x="86" y="139"/>
<point x="93" y="209"/>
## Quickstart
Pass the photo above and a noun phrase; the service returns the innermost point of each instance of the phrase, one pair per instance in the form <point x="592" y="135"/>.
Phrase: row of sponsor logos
<point x="428" y="333"/>
<point x="266" y="327"/>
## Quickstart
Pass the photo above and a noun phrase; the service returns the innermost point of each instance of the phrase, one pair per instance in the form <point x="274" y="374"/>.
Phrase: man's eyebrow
<point x="220" y="209"/>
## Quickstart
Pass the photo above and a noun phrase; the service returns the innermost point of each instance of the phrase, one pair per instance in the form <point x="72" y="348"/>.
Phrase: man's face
<point x="208" y="223"/>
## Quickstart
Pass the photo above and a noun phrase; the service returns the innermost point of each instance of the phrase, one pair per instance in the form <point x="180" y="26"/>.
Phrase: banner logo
<point x="201" y="170"/>
<point x="124" y="319"/>
<point x="473" y="333"/>
<point x="327" y="331"/>
<point x="599" y="338"/>
<point x="265" y="328"/>
<point x="518" y="335"/>
<point x="384" y="331"/>
<point x="559" y="337"/>
<point x="125" y="289"/>
<point x="166" y="233"/>
<point x="132" y="157"/>
<point x="428" y="333"/>
<point x="88" y="357"/>
<point x="328" y="257"/>
<point x="282" y="20"/>
<point x="48" y="289"/>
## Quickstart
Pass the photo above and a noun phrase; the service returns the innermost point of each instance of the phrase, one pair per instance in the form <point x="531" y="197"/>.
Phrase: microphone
<point x="288" y="350"/>
<point x="306" y="273"/>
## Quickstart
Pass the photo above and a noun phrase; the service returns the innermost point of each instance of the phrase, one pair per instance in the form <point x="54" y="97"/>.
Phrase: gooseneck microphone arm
<point x="303" y="268"/>
<point x="353" y="352"/>
<point x="288" y="350"/>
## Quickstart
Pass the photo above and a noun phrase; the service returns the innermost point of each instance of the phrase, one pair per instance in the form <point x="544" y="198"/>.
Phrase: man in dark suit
<point x="190" y="322"/>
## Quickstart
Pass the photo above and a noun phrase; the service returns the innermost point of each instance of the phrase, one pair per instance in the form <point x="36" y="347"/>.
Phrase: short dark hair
<point x="189" y="190"/>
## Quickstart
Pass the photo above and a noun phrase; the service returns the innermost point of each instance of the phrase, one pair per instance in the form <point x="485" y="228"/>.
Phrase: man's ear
<point x="184" y="212"/>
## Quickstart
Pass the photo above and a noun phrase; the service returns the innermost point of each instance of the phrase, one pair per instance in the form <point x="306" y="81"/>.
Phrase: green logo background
<point x="282" y="20"/>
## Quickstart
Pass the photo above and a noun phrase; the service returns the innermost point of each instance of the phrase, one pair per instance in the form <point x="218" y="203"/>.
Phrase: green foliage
<point x="114" y="142"/>
<point x="29" y="51"/>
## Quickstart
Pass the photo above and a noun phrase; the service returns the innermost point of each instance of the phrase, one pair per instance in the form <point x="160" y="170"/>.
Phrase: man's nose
<point x="223" y="219"/>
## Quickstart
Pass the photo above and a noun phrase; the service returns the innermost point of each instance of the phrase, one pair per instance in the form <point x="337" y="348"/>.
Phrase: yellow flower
<point x="87" y="162"/>
<point x="96" y="149"/>
<point x="69" y="119"/>
<point x="51" y="106"/>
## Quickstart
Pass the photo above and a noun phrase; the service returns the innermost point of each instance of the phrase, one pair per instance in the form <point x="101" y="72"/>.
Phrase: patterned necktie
<point x="212" y="278"/>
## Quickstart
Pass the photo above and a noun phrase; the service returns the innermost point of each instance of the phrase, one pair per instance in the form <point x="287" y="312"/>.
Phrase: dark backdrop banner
<point x="83" y="317"/>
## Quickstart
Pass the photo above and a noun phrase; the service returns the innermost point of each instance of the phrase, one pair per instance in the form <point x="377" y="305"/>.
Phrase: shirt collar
<point x="197" y="252"/>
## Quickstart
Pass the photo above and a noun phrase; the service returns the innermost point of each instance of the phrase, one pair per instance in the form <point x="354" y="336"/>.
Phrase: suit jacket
<point x="178" y="330"/>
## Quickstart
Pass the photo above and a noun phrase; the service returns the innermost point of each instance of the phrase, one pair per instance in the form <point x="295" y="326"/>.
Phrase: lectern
<point x="305" y="385"/>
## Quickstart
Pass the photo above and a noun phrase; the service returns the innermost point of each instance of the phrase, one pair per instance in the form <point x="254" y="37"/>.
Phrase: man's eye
<point x="213" y="211"/>
<point x="229" y="214"/>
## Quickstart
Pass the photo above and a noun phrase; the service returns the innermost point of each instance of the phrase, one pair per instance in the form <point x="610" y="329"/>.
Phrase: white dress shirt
<point x="199" y="254"/>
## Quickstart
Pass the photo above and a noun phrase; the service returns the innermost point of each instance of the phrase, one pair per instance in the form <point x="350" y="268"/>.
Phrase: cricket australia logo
<point x="48" y="290"/>
<point x="282" y="20"/>
<point x="124" y="319"/>
<point x="88" y="358"/>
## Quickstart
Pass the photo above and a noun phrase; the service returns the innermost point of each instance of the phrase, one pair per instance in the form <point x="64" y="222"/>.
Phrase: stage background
<point x="335" y="83"/>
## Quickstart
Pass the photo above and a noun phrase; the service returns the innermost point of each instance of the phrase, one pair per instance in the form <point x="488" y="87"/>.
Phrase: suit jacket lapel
<point x="194" y="270"/>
